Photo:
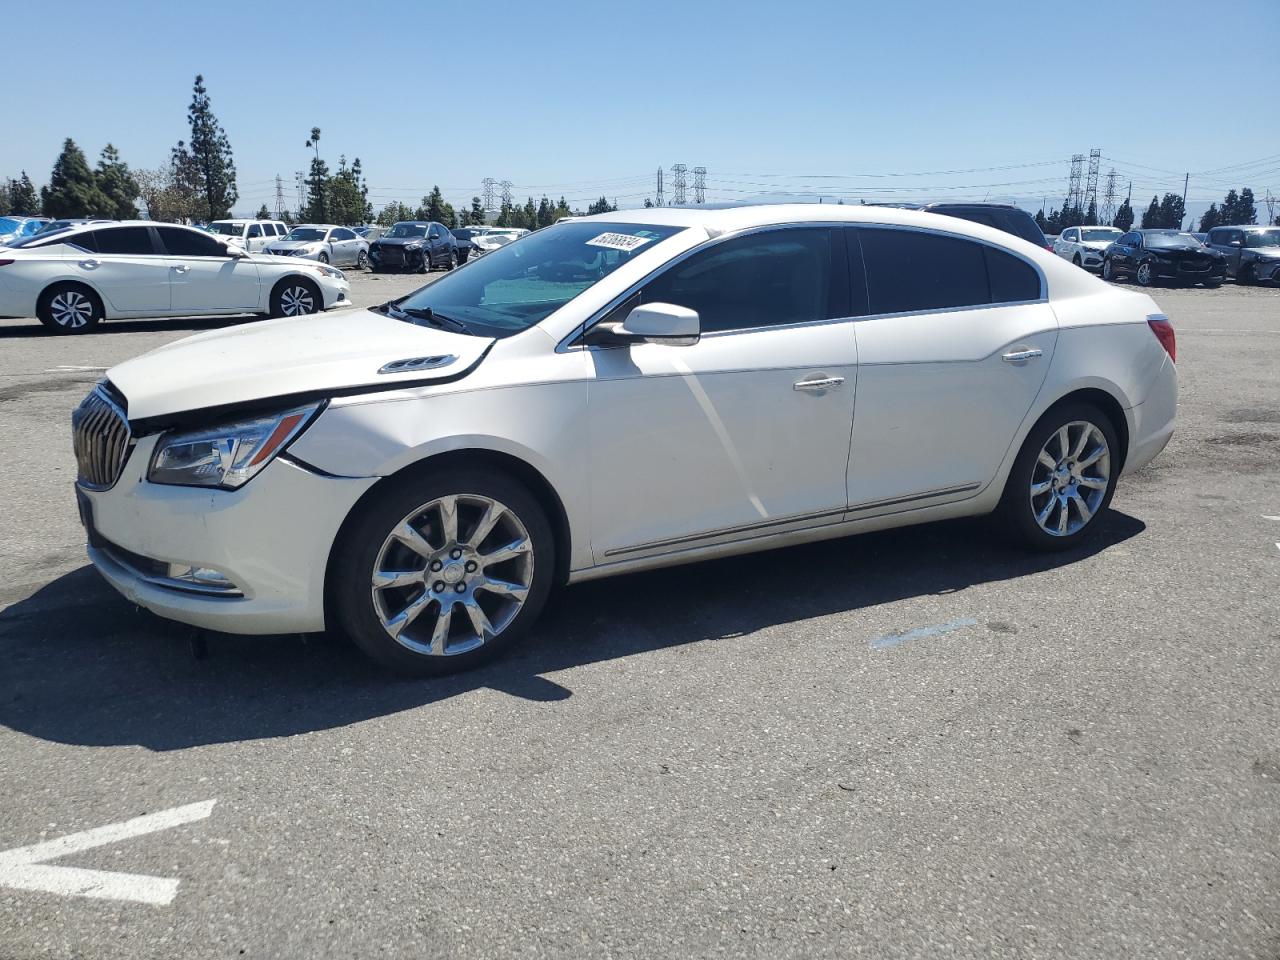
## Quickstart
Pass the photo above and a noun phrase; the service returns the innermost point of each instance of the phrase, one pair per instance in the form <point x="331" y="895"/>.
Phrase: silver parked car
<point x="340" y="246"/>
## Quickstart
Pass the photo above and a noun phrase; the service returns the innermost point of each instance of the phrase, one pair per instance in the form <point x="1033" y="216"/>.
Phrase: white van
<point x="252" y="235"/>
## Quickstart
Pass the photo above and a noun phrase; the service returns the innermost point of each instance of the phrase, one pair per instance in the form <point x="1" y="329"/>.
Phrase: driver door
<point x="204" y="278"/>
<point x="743" y="433"/>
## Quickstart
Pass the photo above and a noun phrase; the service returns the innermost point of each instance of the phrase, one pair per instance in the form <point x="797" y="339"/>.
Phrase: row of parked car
<point x="1246" y="254"/>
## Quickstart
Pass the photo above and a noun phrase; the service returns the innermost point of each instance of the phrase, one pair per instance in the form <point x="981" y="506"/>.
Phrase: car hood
<point x="317" y="355"/>
<point x="294" y="244"/>
<point x="397" y="241"/>
<point x="1096" y="244"/>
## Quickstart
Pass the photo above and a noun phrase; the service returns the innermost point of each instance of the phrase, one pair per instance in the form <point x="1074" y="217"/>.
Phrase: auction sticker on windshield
<point x="618" y="241"/>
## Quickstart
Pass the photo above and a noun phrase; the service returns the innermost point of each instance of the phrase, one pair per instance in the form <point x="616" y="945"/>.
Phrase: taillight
<point x="5" y="263"/>
<point x="1163" y="330"/>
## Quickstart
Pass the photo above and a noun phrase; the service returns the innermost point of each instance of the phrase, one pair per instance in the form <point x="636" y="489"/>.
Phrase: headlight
<point x="328" y="271"/>
<point x="227" y="456"/>
<point x="412" y="246"/>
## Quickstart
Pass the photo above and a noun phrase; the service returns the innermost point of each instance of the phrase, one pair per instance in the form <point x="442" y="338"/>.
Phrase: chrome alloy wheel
<point x="1070" y="478"/>
<point x="296" y="301"/>
<point x="1144" y="275"/>
<point x="452" y="575"/>
<point x="71" y="309"/>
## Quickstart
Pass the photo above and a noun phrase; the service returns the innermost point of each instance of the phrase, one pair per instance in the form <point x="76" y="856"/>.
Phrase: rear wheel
<point x="1063" y="478"/>
<point x="1145" y="275"/>
<point x="295" y="297"/>
<point x="362" y="261"/>
<point x="69" y="308"/>
<point x="443" y="571"/>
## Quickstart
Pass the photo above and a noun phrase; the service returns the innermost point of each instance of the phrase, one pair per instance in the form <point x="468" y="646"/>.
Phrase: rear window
<point x="1017" y="222"/>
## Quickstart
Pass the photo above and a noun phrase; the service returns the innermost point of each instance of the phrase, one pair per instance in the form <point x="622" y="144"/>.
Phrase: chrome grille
<point x="101" y="438"/>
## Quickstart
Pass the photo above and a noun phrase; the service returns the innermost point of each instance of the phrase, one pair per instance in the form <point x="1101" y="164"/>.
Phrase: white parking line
<point x="65" y="368"/>
<point x="23" y="867"/>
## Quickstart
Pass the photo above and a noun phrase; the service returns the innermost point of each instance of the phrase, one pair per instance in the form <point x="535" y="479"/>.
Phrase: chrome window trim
<point x="568" y="343"/>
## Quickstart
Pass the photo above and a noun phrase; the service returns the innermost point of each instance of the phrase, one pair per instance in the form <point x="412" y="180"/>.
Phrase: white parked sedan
<point x="1084" y="246"/>
<point x="73" y="279"/>
<point x="629" y="390"/>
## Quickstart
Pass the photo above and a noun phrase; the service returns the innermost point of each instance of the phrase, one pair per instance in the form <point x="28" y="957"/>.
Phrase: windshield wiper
<point x="433" y="318"/>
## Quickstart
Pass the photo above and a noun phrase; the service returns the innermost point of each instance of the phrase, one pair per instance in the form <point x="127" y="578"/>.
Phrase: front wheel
<point x="322" y="257"/>
<point x="426" y="264"/>
<point x="443" y="571"/>
<point x="1063" y="478"/>
<point x="1145" y="276"/>
<point x="1108" y="271"/>
<point x="1077" y="261"/>
<point x="295" y="298"/>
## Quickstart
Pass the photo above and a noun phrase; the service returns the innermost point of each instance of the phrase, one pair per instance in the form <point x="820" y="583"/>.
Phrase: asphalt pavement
<point x="919" y="743"/>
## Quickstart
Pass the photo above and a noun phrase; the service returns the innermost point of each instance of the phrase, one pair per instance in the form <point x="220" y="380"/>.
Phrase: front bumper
<point x="397" y="257"/>
<point x="1266" y="271"/>
<point x="1091" y="259"/>
<point x="271" y="538"/>
<point x="1180" y="271"/>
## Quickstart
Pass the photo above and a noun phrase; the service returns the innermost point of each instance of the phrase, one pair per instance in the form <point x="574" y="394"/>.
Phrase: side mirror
<point x="1236" y="243"/>
<point x="650" y="323"/>
<point x="236" y="252"/>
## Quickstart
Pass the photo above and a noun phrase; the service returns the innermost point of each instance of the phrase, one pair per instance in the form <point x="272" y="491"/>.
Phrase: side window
<point x="179" y="242"/>
<point x="1012" y="280"/>
<point x="255" y="230"/>
<point x="280" y="229"/>
<point x="1071" y="235"/>
<point x="760" y="280"/>
<point x="343" y="234"/>
<point x="909" y="271"/>
<point x="135" y="241"/>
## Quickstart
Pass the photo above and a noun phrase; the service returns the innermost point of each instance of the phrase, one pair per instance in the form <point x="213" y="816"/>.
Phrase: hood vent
<point x="415" y="364"/>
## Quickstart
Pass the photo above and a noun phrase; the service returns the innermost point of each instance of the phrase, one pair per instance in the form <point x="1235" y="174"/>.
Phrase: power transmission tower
<point x="279" y="197"/>
<point x="678" y="184"/>
<point x="299" y="179"/>
<point x="506" y="192"/>
<point x="1270" y="201"/>
<point x="660" y="200"/>
<point x="1073" y="183"/>
<point x="699" y="184"/>
<point x="1091" y="188"/>
<point x="1108" y="211"/>
<point x="486" y="191"/>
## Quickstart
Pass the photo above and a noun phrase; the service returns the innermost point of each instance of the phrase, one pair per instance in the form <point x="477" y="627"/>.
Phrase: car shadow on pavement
<point x="169" y="324"/>
<point x="82" y="666"/>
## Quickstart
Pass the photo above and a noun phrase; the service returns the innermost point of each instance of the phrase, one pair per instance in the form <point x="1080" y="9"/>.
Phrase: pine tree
<point x="476" y="214"/>
<point x="4" y="198"/>
<point x="546" y="213"/>
<point x="1172" y="211"/>
<point x="562" y="210"/>
<point x="24" y="201"/>
<point x="1152" y="217"/>
<point x="1230" y="207"/>
<point x="530" y="215"/>
<point x="1091" y="215"/>
<point x="504" y="215"/>
<point x="73" y="189"/>
<point x="357" y="175"/>
<point x="1210" y="218"/>
<point x="1041" y="221"/>
<point x="1246" y="212"/>
<point x="601" y="206"/>
<point x="263" y="213"/>
<point x="211" y="152"/>
<point x="1124" y="217"/>
<point x="118" y="184"/>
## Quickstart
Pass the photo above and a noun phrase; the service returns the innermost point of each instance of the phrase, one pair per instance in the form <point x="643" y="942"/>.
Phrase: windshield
<point x="9" y="225"/>
<point x="1107" y="235"/>
<point x="305" y="234"/>
<point x="407" y="230"/>
<point x="1262" y="238"/>
<point x="226" y="229"/>
<point x="524" y="282"/>
<point x="1172" y="240"/>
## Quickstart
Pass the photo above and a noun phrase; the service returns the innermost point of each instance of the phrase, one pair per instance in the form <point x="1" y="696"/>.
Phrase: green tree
<point x="504" y="215"/>
<point x="366" y="208"/>
<point x="263" y="213"/>
<point x="433" y="206"/>
<point x="562" y="210"/>
<point x="118" y="184"/>
<point x="4" y="198"/>
<point x="1041" y="220"/>
<point x="1246" y="212"/>
<point x="601" y="206"/>
<point x="1172" y="211"/>
<point x="394" y="212"/>
<point x="1210" y="218"/>
<point x="73" y="189"/>
<point x="1091" y="214"/>
<point x="475" y="215"/>
<point x="344" y="202"/>
<point x="1152" y="216"/>
<point x="211" y="153"/>
<point x="530" y="215"/>
<point x="1124" y="217"/>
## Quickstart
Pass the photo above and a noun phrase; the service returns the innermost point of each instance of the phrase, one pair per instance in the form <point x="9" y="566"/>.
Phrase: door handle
<point x="89" y="264"/>
<point x="1017" y="356"/>
<point x="821" y="383"/>
<point x="182" y="268"/>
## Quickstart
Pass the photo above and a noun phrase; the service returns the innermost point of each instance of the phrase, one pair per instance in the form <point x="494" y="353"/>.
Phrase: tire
<point x="398" y="624"/>
<point x="362" y="261"/>
<point x="1077" y="261"/>
<point x="69" y="308"/>
<point x="322" y="257"/>
<point x="1042" y="507"/>
<point x="295" y="297"/>
<point x="1144" y="275"/>
<point x="1108" y="271"/>
<point x="1246" y="277"/>
<point x="451" y="260"/>
<point x="427" y="264"/>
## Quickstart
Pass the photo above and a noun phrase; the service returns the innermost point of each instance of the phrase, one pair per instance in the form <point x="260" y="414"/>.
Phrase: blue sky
<point x="584" y="99"/>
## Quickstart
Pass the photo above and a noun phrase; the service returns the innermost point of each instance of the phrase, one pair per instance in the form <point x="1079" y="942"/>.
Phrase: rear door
<point x="955" y="344"/>
<point x="205" y="279"/>
<point x="126" y="268"/>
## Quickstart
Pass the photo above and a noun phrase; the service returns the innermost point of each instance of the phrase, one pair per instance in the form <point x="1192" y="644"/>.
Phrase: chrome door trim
<point x="912" y="498"/>
<point x="694" y="538"/>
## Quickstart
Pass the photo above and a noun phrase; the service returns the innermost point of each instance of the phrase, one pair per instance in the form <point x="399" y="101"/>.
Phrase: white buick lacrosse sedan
<point x="624" y="391"/>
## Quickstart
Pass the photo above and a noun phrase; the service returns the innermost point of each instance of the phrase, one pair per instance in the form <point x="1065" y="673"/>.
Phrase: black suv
<point x="414" y="245"/>
<point x="1253" y="253"/>
<point x="1002" y="216"/>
